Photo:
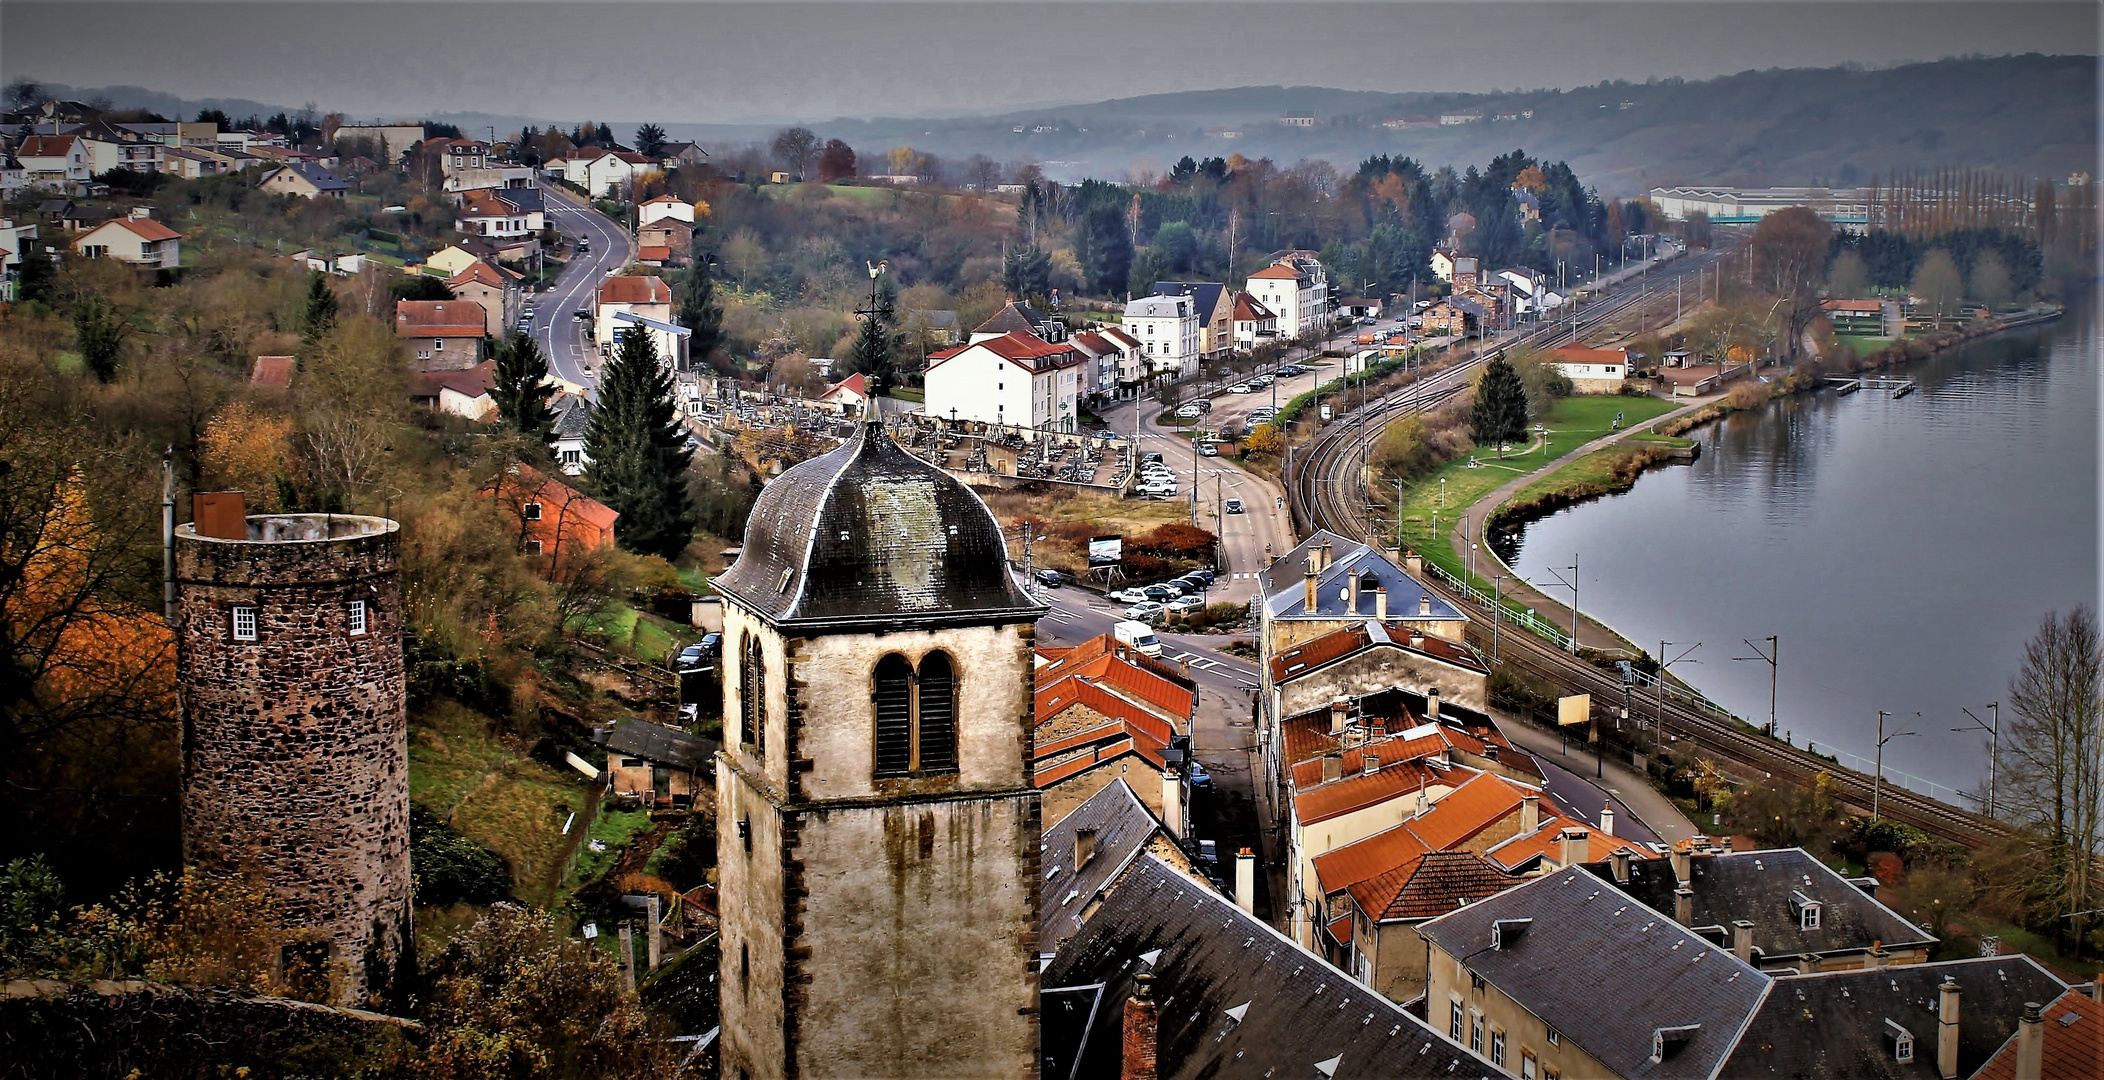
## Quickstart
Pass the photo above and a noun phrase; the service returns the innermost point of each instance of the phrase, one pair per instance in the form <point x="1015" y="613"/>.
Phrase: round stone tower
<point x="295" y="734"/>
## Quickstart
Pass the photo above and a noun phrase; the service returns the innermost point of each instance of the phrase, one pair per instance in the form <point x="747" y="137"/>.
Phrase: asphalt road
<point x="564" y="338"/>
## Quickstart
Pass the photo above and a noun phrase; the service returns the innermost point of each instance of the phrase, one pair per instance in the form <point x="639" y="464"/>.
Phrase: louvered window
<point x="893" y="699"/>
<point x="752" y="686"/>
<point x="938" y="715"/>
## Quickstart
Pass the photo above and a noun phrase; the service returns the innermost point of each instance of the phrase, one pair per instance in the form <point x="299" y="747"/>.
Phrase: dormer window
<point x="1900" y="1041"/>
<point x="1808" y="911"/>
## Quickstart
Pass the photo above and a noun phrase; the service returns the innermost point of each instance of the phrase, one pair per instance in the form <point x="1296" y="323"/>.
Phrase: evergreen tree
<point x="700" y="312"/>
<point x="522" y="392"/>
<point x="1027" y="272"/>
<point x="1500" y="412"/>
<point x="100" y="331"/>
<point x="873" y="355"/>
<point x="35" y="275"/>
<point x="638" y="451"/>
<point x="320" y="313"/>
<point x="1105" y="249"/>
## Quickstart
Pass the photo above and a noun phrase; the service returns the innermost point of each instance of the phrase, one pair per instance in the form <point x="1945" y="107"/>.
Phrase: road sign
<point x="1574" y="709"/>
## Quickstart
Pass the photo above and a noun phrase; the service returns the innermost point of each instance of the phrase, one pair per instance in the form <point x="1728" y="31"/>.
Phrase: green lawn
<point x="1572" y="422"/>
<point x="614" y="828"/>
<point x="907" y="394"/>
<point x="1863" y="344"/>
<point x="511" y="804"/>
<point x="640" y="634"/>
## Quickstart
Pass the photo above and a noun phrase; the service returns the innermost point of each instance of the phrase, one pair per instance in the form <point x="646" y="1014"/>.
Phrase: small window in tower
<point x="937" y="701"/>
<point x="244" y="624"/>
<point x="357" y="613"/>
<point x="533" y="511"/>
<point x="892" y="698"/>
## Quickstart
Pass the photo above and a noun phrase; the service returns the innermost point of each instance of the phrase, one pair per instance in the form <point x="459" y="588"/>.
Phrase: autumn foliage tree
<point x="836" y="162"/>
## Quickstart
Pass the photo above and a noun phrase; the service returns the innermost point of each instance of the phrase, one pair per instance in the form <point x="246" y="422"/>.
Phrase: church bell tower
<point x="877" y="832"/>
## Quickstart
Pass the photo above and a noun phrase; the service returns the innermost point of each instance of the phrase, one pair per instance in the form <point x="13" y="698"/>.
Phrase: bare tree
<point x="793" y="146"/>
<point x="2054" y="759"/>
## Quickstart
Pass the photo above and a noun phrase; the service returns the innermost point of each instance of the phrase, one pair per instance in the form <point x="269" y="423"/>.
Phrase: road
<point x="564" y="338"/>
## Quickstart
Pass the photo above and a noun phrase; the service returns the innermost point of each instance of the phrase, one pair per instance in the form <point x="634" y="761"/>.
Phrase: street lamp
<point x="1994" y="746"/>
<point x="1774" y="650"/>
<point x="1877" y="783"/>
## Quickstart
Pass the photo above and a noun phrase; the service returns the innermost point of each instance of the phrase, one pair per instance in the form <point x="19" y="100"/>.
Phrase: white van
<point x="1140" y="636"/>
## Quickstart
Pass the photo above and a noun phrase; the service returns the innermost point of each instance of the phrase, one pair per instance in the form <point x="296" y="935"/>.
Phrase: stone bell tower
<point x="877" y="831"/>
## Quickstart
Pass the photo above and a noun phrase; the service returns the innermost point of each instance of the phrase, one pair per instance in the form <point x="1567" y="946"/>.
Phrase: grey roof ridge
<point x="1937" y="965"/>
<point x="818" y="508"/>
<point x="1874" y="901"/>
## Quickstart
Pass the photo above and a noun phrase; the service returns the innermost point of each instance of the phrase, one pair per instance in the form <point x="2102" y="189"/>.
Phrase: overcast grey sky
<point x="729" y="62"/>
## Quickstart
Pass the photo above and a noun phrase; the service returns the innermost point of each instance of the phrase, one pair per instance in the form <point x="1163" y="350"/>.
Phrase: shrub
<point x="449" y="868"/>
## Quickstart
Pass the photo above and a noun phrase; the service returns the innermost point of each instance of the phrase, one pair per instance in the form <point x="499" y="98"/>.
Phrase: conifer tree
<point x="320" y="313"/>
<point x="700" y="312"/>
<point x="1500" y="412"/>
<point x="638" y="452"/>
<point x="873" y="355"/>
<point x="522" y="391"/>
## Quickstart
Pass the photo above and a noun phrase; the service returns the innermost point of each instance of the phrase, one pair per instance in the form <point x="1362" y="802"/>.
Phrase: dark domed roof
<point x="872" y="534"/>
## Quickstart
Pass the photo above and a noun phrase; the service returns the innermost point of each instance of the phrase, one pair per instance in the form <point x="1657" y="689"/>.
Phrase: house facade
<point x="55" y="162"/>
<point x="137" y="239"/>
<point x="1591" y="371"/>
<point x="635" y="295"/>
<point x="1168" y="329"/>
<point x="664" y="206"/>
<point x="495" y="290"/>
<point x="1215" y="305"/>
<point x="1296" y="289"/>
<point x="1013" y="380"/>
<point x="304" y="179"/>
<point x="1253" y="322"/>
<point x="443" y="335"/>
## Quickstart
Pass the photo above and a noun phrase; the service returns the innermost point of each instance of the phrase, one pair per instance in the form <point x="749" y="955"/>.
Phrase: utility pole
<point x="1994" y="746"/>
<point x="1774" y="650"/>
<point x="1877" y="783"/>
<point x="1658" y="711"/>
<point x="1572" y="585"/>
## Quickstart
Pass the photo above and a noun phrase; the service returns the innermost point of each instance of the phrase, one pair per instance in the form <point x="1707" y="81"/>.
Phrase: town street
<point x="564" y="338"/>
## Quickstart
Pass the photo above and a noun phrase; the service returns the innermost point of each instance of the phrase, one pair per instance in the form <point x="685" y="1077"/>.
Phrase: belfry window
<point x="915" y="715"/>
<point x="752" y="689"/>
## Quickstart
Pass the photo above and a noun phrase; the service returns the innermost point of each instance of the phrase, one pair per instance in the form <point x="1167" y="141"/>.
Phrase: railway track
<point x="1326" y="486"/>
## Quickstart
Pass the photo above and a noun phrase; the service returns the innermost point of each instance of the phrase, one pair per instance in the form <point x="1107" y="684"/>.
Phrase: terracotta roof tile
<point x="1353" y="793"/>
<point x="2071" y="1049"/>
<point x="1367" y="859"/>
<point x="1467" y="810"/>
<point x="273" y="371"/>
<point x="1068" y="693"/>
<point x="1284" y="273"/>
<point x="634" y="289"/>
<point x="653" y="253"/>
<point x="438" y="318"/>
<point x="1431" y="886"/>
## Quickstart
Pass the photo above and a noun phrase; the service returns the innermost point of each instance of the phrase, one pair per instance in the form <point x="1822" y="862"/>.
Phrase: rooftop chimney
<point x="1380" y="604"/>
<point x="1877" y="956"/>
<point x="1417" y="638"/>
<point x="219" y="514"/>
<point x="1621" y="861"/>
<point x="1947" y="1029"/>
<point x="1332" y="768"/>
<point x="1808" y="963"/>
<point x="1431" y="703"/>
<point x="2030" y="1044"/>
<point x="1141" y="1040"/>
<point x="1683" y="905"/>
<point x="1327" y="554"/>
<point x="1351" y="593"/>
<point x="1310" y="583"/>
<point x="1742" y="940"/>
<point x="1172" y="802"/>
<point x="1413" y="564"/>
<point x="1372" y="763"/>
<point x="1530" y="814"/>
<point x="1340" y="712"/>
<point x="1246" y="880"/>
<point x="1084" y="847"/>
<point x="1683" y="866"/>
<point x="1577" y="847"/>
<point x="1607" y="820"/>
<point x="1424" y="603"/>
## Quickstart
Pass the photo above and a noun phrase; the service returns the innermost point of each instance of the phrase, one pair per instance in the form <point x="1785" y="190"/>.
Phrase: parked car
<point x="1184" y="605"/>
<point x="1234" y="506"/>
<point x="1129" y="596"/>
<point x="1156" y="491"/>
<point x="1204" y="404"/>
<point x="1203" y="574"/>
<point x="1147" y="611"/>
<point x="528" y="313"/>
<point x="1190" y="412"/>
<point x="1242" y="388"/>
<point x="1192" y="585"/>
<point x="1199" y="777"/>
<point x="1053" y="578"/>
<point x="693" y="656"/>
<point x="1291" y="370"/>
<point x="1151" y="458"/>
<point x="1206" y="449"/>
<point x="1161" y="593"/>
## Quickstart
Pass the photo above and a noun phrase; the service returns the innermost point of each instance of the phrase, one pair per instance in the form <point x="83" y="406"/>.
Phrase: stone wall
<point x="295" y="745"/>
<point x="1375" y="669"/>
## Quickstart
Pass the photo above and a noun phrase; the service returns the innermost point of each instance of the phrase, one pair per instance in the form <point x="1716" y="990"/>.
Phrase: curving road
<point x="566" y="339"/>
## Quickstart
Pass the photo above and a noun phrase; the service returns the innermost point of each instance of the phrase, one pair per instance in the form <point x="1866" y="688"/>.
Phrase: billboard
<point x="1106" y="550"/>
<point x="1574" y="709"/>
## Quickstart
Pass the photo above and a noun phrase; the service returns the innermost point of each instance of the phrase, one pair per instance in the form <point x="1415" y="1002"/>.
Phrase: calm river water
<point x="1902" y="550"/>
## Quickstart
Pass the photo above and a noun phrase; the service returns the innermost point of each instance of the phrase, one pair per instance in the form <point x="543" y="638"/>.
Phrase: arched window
<point x="752" y="692"/>
<point x="937" y="737"/>
<point x="893" y="698"/>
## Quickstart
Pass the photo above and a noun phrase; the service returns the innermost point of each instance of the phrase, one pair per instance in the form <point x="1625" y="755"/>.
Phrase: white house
<point x="487" y="213"/>
<point x="630" y="303"/>
<point x="1591" y="371"/>
<point x="1295" y="288"/>
<point x="1254" y="322"/>
<point x="599" y="170"/>
<point x="1016" y="379"/>
<point x="848" y="397"/>
<point x="495" y="176"/>
<point x="1113" y="357"/>
<point x="138" y="239"/>
<point x="54" y="161"/>
<point x="1168" y="331"/>
<point x="664" y="206"/>
<point x="1530" y="290"/>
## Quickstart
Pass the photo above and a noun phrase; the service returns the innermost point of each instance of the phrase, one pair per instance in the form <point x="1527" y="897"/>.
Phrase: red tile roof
<point x="1391" y="753"/>
<point x="1468" y="810"/>
<point x="653" y="253"/>
<point x="857" y="384"/>
<point x="1067" y="693"/>
<point x="570" y="500"/>
<point x="1126" y="679"/>
<point x="1430" y="886"/>
<point x="1106" y="645"/>
<point x="1353" y="793"/>
<point x="477" y="271"/>
<point x="1346" y="640"/>
<point x="483" y="204"/>
<point x="1120" y="337"/>
<point x="1871" y="307"/>
<point x="273" y="371"/>
<point x="472" y="383"/>
<point x="1363" y="860"/>
<point x="1284" y="273"/>
<point x="1102" y="733"/>
<point x="2069" y="1051"/>
<point x="45" y="146"/>
<point x="1578" y="354"/>
<point x="1045" y="778"/>
<point x="634" y="289"/>
<point x="438" y="318"/>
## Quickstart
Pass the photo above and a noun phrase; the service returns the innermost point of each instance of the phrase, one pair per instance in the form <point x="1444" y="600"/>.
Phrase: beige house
<point x="444" y="335"/>
<point x="496" y="290"/>
<point x="659" y="765"/>
<point x="137" y="239"/>
<point x="1215" y="305"/>
<point x="304" y="179"/>
<point x="450" y="260"/>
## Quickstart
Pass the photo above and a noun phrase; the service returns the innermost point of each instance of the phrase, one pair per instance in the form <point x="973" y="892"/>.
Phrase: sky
<point x="768" y="62"/>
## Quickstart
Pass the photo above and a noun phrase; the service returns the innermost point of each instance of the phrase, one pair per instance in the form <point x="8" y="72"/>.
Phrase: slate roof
<point x="1431" y="886"/>
<point x="1236" y="998"/>
<point x="1607" y="972"/>
<point x="1160" y="307"/>
<point x="318" y="175"/>
<point x="1013" y="316"/>
<point x="572" y="413"/>
<point x="1758" y="885"/>
<point x="1205" y="295"/>
<point x="1832" y="1026"/>
<point x="1123" y="826"/>
<point x="871" y="535"/>
<point x="658" y="743"/>
<point x="2071" y="1048"/>
<point x="1285" y="593"/>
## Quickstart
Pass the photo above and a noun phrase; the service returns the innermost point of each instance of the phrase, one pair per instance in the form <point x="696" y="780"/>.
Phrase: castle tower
<point x="295" y="737"/>
<point x="877" y="831"/>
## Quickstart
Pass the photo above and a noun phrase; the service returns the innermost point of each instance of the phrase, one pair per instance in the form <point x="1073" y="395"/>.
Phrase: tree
<point x="1849" y="277"/>
<point x="700" y="312"/>
<point x="1990" y="280"/>
<point x="650" y="140"/>
<point x="1177" y="244"/>
<point x="1937" y="283"/>
<point x="24" y="92"/>
<point x="215" y="116"/>
<point x="638" y="452"/>
<point x="1263" y="439"/>
<point x="522" y="391"/>
<point x="1499" y="414"/>
<point x="873" y="354"/>
<point x="419" y="287"/>
<point x="836" y="162"/>
<point x="35" y="273"/>
<point x="1026" y="272"/>
<point x="2053" y="776"/>
<point x="793" y="146"/>
<point x="1105" y="249"/>
<point x="99" y="330"/>
<point x="1789" y="260"/>
<point x="319" y="313"/>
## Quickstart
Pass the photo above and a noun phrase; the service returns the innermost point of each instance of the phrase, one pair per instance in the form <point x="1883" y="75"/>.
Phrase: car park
<point x="1146" y="611"/>
<point x="1159" y="593"/>
<point x="1234" y="506"/>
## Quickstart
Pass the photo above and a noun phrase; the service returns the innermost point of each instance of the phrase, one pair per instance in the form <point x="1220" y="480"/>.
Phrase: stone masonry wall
<point x="295" y="745"/>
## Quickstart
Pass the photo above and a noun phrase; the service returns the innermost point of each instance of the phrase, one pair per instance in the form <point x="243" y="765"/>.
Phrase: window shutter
<point x="938" y="714"/>
<point x="893" y="702"/>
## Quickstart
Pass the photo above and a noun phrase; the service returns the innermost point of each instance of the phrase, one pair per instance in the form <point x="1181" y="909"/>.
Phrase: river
<point x="1903" y="551"/>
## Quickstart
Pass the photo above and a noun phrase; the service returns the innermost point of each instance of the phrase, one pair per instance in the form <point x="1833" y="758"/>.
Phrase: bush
<point x="449" y="868"/>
